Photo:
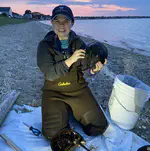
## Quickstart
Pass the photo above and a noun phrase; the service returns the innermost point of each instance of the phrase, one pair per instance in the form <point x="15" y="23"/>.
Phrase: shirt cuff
<point x="66" y="67"/>
<point x="89" y="72"/>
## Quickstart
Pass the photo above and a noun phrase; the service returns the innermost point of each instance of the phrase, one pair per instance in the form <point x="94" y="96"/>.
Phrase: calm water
<point x="133" y="34"/>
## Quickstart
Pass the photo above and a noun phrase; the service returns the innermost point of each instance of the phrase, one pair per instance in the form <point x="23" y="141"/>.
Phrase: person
<point x="61" y="57"/>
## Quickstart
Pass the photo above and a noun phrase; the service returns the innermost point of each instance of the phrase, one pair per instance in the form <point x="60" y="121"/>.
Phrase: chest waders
<point x="70" y="92"/>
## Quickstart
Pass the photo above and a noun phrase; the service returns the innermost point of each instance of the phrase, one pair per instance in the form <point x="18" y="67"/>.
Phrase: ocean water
<point x="132" y="34"/>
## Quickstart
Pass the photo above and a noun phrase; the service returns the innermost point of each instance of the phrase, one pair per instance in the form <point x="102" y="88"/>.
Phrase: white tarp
<point x="114" y="139"/>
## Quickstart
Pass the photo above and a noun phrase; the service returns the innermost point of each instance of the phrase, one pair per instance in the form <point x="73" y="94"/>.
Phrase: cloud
<point x="45" y="2"/>
<point x="64" y="2"/>
<point x="83" y="1"/>
<point x="38" y="3"/>
<point x="106" y="7"/>
<point x="15" y="1"/>
<point x="86" y="9"/>
<point x="97" y="10"/>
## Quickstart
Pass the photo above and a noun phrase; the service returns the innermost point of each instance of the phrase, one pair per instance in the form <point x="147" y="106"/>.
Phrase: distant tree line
<point x="39" y="16"/>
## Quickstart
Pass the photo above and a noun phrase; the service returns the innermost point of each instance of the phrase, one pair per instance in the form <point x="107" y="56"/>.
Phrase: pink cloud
<point x="78" y="10"/>
<point x="106" y="7"/>
<point x="88" y="10"/>
<point x="84" y="1"/>
<point x="20" y="7"/>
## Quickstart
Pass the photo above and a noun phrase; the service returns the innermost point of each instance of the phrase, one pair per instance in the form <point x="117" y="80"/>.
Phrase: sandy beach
<point x="19" y="71"/>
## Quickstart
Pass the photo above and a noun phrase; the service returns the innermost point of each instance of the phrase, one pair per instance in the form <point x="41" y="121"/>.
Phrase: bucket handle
<point x="138" y="109"/>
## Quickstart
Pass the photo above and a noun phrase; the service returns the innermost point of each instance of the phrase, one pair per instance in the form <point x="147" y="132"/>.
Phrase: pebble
<point x="144" y="127"/>
<point x="143" y="136"/>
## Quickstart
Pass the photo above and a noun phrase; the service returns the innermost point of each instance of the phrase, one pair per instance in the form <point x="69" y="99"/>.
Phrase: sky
<point x="83" y="7"/>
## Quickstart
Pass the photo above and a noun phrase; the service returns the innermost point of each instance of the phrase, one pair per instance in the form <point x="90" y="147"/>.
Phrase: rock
<point x="144" y="127"/>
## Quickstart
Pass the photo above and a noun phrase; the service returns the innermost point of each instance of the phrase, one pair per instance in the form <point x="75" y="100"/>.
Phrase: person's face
<point x="61" y="26"/>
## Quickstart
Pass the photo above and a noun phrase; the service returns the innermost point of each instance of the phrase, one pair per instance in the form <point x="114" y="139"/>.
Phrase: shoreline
<point x="19" y="70"/>
<point x="120" y="42"/>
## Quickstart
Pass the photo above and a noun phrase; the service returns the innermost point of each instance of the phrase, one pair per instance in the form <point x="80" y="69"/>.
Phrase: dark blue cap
<point x="62" y="10"/>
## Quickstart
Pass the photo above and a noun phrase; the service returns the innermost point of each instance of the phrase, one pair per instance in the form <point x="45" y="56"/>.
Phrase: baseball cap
<point x="62" y="10"/>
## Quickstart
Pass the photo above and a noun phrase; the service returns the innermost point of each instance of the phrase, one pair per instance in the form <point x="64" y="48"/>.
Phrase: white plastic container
<point x="127" y="99"/>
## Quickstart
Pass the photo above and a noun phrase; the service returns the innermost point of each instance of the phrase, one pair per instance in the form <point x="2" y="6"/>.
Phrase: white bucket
<point x="127" y="100"/>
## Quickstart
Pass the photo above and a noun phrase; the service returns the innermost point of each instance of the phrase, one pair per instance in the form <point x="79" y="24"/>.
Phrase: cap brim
<point x="61" y="15"/>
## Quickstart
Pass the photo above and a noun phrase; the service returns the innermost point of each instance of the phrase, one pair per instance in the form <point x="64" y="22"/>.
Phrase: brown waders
<point x="58" y="96"/>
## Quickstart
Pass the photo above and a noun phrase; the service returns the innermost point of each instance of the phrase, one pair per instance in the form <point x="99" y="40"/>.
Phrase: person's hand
<point x="98" y="67"/>
<point x="78" y="54"/>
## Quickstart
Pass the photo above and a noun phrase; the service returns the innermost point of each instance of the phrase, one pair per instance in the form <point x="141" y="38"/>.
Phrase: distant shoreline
<point x="104" y="17"/>
<point x="112" y="17"/>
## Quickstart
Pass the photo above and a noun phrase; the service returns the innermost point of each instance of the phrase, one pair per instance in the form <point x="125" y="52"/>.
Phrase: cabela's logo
<point x="63" y="83"/>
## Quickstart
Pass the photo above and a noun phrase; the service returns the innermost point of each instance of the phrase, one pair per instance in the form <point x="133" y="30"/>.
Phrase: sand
<point x="19" y="71"/>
